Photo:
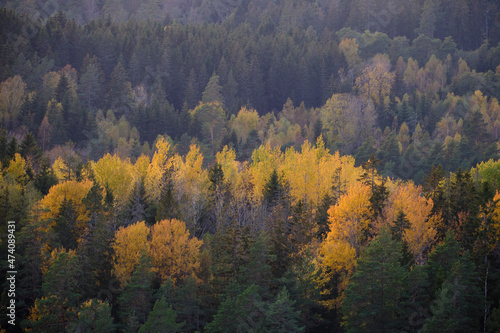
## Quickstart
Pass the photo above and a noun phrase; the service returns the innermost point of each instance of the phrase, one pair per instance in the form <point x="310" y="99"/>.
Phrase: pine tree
<point x="455" y="309"/>
<point x="441" y="261"/>
<point x="30" y="151"/>
<point x="185" y="301"/>
<point x="65" y="227"/>
<point x="45" y="178"/>
<point x="243" y="312"/>
<point x="58" y="307"/>
<point x="94" y="316"/>
<point x="162" y="319"/>
<point x="213" y="91"/>
<point x="136" y="300"/>
<point x="322" y="215"/>
<point x="372" y="297"/>
<point x="400" y="224"/>
<point x="282" y="316"/>
<point x="380" y="192"/>
<point x="258" y="269"/>
<point x="274" y="190"/>
<point x="138" y="208"/>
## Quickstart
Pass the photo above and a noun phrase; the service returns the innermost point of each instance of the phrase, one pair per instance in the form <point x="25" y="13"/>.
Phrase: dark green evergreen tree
<point x="455" y="308"/>
<point x="135" y="302"/>
<point x="65" y="227"/>
<point x="281" y="315"/>
<point x="57" y="308"/>
<point x="274" y="191"/>
<point x="372" y="297"/>
<point x="399" y="225"/>
<point x="45" y="178"/>
<point x="243" y="312"/>
<point x="94" y="316"/>
<point x="30" y="150"/>
<point x="441" y="261"/>
<point x="185" y="301"/>
<point x="162" y="319"/>
<point x="380" y="193"/>
<point x="322" y="215"/>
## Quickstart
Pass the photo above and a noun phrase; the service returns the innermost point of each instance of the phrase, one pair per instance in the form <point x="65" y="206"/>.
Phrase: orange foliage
<point x="69" y="190"/>
<point x="174" y="254"/>
<point x="409" y="199"/>
<point x="130" y="243"/>
<point x="350" y="217"/>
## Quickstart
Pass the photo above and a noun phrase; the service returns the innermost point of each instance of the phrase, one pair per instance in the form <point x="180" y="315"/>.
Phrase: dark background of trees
<point x="139" y="67"/>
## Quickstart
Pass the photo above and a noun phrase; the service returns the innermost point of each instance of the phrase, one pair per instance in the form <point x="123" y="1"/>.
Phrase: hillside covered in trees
<point x="248" y="165"/>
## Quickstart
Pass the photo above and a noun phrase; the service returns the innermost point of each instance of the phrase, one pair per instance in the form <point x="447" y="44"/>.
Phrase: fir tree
<point x="371" y="301"/>
<point x="136" y="300"/>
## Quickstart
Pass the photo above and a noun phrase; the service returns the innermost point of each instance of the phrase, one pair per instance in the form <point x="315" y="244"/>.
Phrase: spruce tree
<point x="162" y="319"/>
<point x="372" y="297"/>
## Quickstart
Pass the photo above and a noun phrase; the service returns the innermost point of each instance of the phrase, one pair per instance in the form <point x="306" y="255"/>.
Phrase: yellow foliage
<point x="309" y="173"/>
<point x="337" y="258"/>
<point x="227" y="160"/>
<point x="190" y="183"/>
<point x="350" y="217"/>
<point x="349" y="49"/>
<point x="17" y="167"/>
<point x="244" y="123"/>
<point x="60" y="168"/>
<point x="349" y="220"/>
<point x="140" y="168"/>
<point x="410" y="73"/>
<point x="130" y="243"/>
<point x="492" y="230"/>
<point x="160" y="164"/>
<point x="69" y="190"/>
<point x="117" y="175"/>
<point x="173" y="253"/>
<point x="409" y="199"/>
<point x="376" y="80"/>
<point x="264" y="161"/>
<point x="12" y="94"/>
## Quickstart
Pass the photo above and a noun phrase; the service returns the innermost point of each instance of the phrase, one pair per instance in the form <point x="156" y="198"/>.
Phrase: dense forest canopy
<point x="250" y="165"/>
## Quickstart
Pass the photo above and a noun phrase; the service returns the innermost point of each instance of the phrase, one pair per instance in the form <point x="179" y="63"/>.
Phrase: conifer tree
<point x="162" y="319"/>
<point x="65" y="227"/>
<point x="94" y="316"/>
<point x="58" y="307"/>
<point x="136" y="300"/>
<point x="372" y="297"/>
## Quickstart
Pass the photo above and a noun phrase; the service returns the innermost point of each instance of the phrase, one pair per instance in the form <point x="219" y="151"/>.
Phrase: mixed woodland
<point x="250" y="165"/>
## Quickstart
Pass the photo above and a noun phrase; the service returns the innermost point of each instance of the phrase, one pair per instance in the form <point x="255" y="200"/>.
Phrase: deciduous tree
<point x="174" y="254"/>
<point x="129" y="245"/>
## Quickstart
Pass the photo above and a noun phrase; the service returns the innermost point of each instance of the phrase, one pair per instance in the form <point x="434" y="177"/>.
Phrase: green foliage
<point x="455" y="309"/>
<point x="185" y="303"/>
<point x="57" y="308"/>
<point x="136" y="300"/>
<point x="274" y="190"/>
<point x="162" y="319"/>
<point x="239" y="313"/>
<point x="372" y="296"/>
<point x="281" y="316"/>
<point x="379" y="192"/>
<point x="65" y="227"/>
<point x="45" y="178"/>
<point x="113" y="75"/>
<point x="94" y="316"/>
<point x="493" y="323"/>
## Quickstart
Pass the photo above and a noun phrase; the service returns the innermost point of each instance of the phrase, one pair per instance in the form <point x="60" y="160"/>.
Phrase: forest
<point x="250" y="166"/>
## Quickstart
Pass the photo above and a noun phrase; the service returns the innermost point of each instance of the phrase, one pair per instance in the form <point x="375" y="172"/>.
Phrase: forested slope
<point x="225" y="166"/>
